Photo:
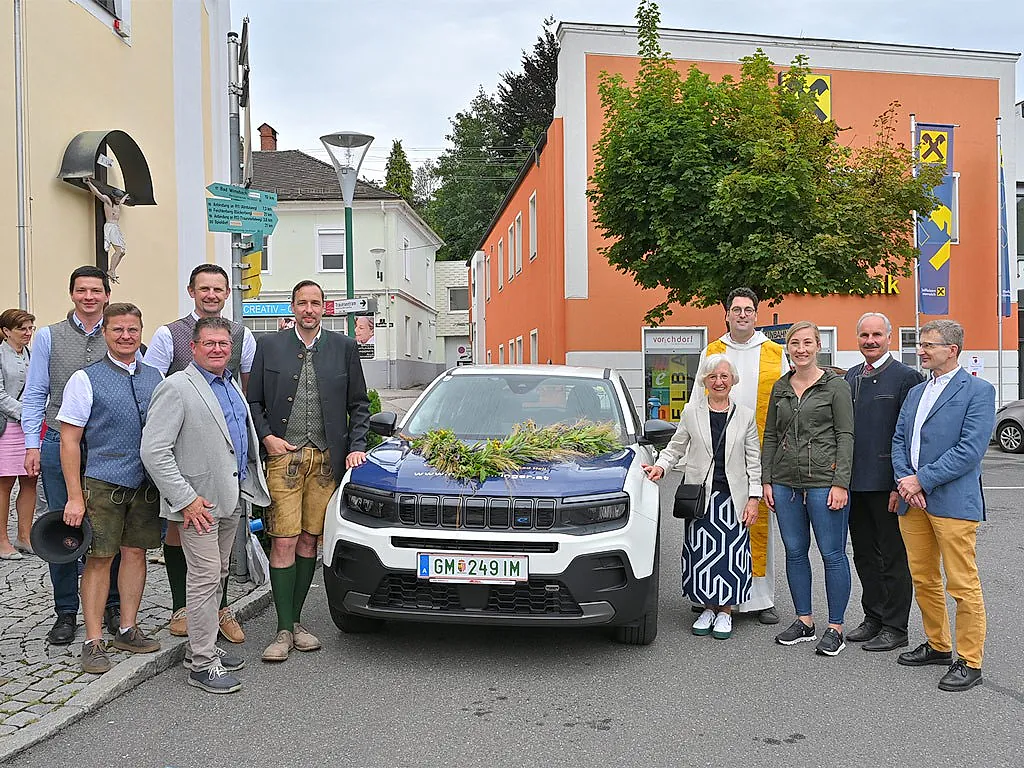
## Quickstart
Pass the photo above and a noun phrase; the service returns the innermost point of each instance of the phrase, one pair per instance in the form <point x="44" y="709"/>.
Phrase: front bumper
<point x="596" y="588"/>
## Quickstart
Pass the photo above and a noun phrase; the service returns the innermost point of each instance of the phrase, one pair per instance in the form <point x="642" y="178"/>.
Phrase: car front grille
<point x="482" y="513"/>
<point x="537" y="597"/>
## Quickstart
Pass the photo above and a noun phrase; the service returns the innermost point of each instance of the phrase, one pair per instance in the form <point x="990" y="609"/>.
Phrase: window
<point x="408" y="258"/>
<point x="487" y="278"/>
<point x="458" y="299"/>
<point x="330" y="250"/>
<point x="265" y="256"/>
<point x="110" y="6"/>
<point x="501" y="355"/>
<point x="532" y="224"/>
<point x="488" y="357"/>
<point x="534" y="347"/>
<point x="512" y="352"/>
<point x="419" y="340"/>
<point x="511" y="251"/>
<point x="408" y="336"/>
<point x="908" y="347"/>
<point x="828" y="346"/>
<point x="519" y="243"/>
<point x="519" y="350"/>
<point x="430" y="277"/>
<point x="501" y="263"/>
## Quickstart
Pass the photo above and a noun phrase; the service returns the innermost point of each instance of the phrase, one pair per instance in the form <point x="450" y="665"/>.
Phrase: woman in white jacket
<point x="716" y="547"/>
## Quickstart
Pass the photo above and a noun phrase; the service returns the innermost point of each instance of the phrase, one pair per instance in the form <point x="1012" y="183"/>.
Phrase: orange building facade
<point x="542" y="292"/>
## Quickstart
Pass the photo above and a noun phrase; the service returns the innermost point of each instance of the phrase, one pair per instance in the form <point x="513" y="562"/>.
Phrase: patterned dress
<point x="716" y="548"/>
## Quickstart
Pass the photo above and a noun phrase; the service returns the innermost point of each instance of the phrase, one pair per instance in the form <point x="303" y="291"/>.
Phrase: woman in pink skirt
<point x="16" y="325"/>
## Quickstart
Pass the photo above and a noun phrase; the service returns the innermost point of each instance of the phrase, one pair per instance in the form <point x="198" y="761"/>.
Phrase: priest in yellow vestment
<point x="760" y="362"/>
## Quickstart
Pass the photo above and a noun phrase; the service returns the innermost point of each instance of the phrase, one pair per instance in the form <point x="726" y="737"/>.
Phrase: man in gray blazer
<point x="201" y="451"/>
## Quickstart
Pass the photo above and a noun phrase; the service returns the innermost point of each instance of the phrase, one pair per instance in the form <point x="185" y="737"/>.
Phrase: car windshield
<point x="475" y="407"/>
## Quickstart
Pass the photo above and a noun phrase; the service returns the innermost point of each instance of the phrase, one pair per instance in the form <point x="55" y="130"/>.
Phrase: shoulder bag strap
<point x="721" y="439"/>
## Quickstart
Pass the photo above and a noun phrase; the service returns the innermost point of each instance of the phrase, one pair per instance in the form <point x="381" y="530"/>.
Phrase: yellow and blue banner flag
<point x="934" y="146"/>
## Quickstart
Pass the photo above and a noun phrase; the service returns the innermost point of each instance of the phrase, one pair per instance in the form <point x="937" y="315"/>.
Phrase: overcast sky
<point x="401" y="68"/>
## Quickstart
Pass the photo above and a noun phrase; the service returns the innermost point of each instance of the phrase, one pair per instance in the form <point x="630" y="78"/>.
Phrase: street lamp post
<point x="347" y="150"/>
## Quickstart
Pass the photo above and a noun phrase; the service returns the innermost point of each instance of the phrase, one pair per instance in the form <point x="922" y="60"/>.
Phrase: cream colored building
<point x="152" y="70"/>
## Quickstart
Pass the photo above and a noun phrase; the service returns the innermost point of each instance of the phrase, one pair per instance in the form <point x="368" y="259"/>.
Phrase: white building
<point x="451" y="298"/>
<point x="393" y="262"/>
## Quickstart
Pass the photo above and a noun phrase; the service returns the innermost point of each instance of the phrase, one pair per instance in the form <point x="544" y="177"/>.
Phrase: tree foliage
<point x="489" y="143"/>
<point x="702" y="185"/>
<point x="398" y="175"/>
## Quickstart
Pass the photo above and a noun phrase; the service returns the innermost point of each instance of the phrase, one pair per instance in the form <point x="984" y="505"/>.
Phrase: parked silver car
<point x="1009" y="434"/>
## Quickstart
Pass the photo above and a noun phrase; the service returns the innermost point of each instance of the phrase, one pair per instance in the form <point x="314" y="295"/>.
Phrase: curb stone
<point x="123" y="677"/>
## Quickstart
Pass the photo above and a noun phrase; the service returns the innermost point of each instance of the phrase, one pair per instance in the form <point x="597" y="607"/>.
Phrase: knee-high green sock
<point x="305" y="567"/>
<point x="174" y="560"/>
<point x="282" y="582"/>
<point x="224" y="593"/>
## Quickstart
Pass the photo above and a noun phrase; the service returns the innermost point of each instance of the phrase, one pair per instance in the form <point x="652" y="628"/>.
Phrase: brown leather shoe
<point x="304" y="639"/>
<point x="279" y="649"/>
<point x="94" y="658"/>
<point x="230" y="629"/>
<point x="179" y="623"/>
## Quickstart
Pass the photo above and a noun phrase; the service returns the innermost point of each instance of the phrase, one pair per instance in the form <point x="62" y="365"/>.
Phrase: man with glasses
<point x="200" y="448"/>
<point x="941" y="436"/>
<point x="760" y="362"/>
<point x="105" y="404"/>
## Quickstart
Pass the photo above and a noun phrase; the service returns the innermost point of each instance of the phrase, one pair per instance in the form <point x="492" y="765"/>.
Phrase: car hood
<point x="392" y="466"/>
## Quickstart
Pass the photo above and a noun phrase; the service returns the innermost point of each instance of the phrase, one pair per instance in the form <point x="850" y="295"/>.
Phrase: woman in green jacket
<point x="806" y="461"/>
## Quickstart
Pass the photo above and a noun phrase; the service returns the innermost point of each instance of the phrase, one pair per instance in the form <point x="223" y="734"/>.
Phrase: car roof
<point x="579" y="372"/>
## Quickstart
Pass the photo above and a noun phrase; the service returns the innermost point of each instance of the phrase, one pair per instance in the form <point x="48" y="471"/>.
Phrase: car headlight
<point x="369" y="501"/>
<point x="582" y="510"/>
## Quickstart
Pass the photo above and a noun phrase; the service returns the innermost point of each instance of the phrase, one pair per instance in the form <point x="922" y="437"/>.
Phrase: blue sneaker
<point x="230" y="661"/>
<point x="215" y="680"/>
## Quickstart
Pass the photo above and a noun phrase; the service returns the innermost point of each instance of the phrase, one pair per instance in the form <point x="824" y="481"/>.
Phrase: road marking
<point x="1004" y="488"/>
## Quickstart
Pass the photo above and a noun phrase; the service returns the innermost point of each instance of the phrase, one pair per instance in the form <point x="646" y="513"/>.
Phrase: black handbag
<point x="691" y="498"/>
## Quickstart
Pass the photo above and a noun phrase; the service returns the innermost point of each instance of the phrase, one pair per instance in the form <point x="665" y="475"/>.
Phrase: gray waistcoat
<point x="70" y="350"/>
<point x="306" y="421"/>
<point x="181" y="336"/>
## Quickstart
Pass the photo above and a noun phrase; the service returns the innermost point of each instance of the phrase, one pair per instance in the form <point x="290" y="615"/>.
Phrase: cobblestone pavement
<point x="37" y="678"/>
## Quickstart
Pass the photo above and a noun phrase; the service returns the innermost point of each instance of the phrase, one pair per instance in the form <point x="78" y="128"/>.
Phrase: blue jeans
<point x="798" y="510"/>
<point x="64" y="576"/>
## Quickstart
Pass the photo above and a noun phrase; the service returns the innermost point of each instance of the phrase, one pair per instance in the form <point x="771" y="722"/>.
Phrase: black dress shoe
<point x="960" y="677"/>
<point x="63" y="630"/>
<point x="887" y="640"/>
<point x="923" y="655"/>
<point x="866" y="630"/>
<point x="112" y="619"/>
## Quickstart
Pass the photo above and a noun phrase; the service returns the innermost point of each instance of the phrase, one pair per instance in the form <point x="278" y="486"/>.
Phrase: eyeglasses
<point x="930" y="345"/>
<point x="215" y="344"/>
<point x="742" y="310"/>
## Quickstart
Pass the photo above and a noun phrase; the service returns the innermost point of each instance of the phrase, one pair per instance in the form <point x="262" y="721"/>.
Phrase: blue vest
<point x="113" y="433"/>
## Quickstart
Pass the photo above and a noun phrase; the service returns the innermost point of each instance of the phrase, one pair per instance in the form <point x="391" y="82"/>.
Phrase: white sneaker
<point x="723" y="626"/>
<point x="702" y="626"/>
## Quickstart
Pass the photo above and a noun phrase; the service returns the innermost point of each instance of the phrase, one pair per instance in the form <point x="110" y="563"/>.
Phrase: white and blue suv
<point x="571" y="543"/>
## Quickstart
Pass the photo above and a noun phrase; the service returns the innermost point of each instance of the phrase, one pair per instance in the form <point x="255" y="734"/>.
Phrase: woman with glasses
<point x="806" y="464"/>
<point x="719" y="435"/>
<point x="16" y="327"/>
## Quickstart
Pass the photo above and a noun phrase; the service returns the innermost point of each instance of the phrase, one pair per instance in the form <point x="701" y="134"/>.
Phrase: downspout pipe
<point x="19" y="141"/>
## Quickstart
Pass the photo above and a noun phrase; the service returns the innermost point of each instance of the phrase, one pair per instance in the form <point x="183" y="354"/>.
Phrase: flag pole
<point x="1000" y="181"/>
<point x="917" y="259"/>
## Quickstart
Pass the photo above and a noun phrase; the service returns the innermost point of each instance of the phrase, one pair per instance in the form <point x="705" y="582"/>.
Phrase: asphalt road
<point x="426" y="695"/>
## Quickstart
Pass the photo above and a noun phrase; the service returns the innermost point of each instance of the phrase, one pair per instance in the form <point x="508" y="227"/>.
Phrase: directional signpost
<point x="243" y="211"/>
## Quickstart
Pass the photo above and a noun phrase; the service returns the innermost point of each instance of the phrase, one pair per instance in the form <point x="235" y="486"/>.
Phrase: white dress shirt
<point x="160" y="351"/>
<point x="932" y="390"/>
<point x="878" y="363"/>
<point x="76" y="408"/>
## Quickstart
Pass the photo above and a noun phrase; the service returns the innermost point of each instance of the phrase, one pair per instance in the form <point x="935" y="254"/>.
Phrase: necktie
<point x="868" y="368"/>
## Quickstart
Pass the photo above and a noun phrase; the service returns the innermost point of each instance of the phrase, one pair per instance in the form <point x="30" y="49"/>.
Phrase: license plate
<point x="472" y="567"/>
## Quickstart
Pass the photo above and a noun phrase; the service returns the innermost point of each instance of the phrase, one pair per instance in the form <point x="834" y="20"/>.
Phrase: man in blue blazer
<point x="941" y="436"/>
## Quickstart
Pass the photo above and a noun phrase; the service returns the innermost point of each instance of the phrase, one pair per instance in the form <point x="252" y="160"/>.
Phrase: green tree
<point x="489" y="143"/>
<point x="398" y="172"/>
<point x="701" y="185"/>
<point x="424" y="184"/>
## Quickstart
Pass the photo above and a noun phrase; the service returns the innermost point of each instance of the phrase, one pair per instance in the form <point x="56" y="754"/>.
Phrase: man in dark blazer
<point x="879" y="385"/>
<point x="312" y="414"/>
<point x="941" y="436"/>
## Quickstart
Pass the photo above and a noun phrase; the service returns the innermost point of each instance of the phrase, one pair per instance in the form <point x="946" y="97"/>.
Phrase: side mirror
<point x="658" y="432"/>
<point x="383" y="423"/>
